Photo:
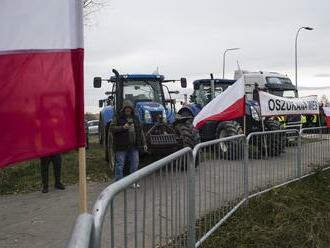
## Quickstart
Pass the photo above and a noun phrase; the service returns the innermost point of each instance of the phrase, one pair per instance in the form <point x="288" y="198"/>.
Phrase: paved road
<point x="45" y="220"/>
<point x="41" y="220"/>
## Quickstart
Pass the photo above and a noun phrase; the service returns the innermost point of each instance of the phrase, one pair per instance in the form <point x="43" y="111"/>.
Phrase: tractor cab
<point x="202" y="94"/>
<point x="147" y="95"/>
<point x="148" y="99"/>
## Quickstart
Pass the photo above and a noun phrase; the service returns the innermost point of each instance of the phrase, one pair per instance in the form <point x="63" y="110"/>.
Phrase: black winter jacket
<point x="121" y="136"/>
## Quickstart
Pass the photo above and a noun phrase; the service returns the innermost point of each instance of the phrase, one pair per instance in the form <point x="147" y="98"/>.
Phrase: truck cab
<point x="272" y="82"/>
<point x="275" y="84"/>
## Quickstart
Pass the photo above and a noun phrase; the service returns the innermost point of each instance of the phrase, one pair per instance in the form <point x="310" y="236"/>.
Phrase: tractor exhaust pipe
<point x="116" y="73"/>
<point x="212" y="87"/>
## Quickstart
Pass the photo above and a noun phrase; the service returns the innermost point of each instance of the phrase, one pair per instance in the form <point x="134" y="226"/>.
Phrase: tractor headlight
<point x="164" y="116"/>
<point x="147" y="116"/>
<point x="254" y="114"/>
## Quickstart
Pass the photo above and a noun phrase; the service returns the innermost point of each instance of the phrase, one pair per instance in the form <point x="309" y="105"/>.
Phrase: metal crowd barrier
<point x="153" y="215"/>
<point x="186" y="196"/>
<point x="273" y="158"/>
<point x="82" y="231"/>
<point x="315" y="148"/>
<point x="219" y="182"/>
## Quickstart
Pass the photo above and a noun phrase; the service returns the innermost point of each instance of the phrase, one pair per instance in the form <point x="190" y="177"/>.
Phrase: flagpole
<point x="244" y="118"/>
<point x="244" y="123"/>
<point x="264" y="137"/>
<point x="82" y="180"/>
<point x="262" y="122"/>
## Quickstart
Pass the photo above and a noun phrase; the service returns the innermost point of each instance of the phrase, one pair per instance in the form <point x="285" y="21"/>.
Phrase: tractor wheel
<point x="275" y="142"/>
<point x="185" y="131"/>
<point x="187" y="113"/>
<point x="189" y="137"/>
<point x="232" y="149"/>
<point x="109" y="152"/>
<point x="101" y="133"/>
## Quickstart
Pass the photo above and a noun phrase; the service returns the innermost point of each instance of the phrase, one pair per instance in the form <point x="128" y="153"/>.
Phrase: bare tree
<point x="90" y="7"/>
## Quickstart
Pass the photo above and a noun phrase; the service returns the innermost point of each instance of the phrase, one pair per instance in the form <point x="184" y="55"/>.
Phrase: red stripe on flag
<point x="328" y="121"/>
<point x="42" y="105"/>
<point x="234" y="111"/>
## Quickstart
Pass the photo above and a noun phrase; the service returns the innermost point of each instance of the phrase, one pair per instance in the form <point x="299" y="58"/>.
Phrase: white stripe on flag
<point x="326" y="111"/>
<point x="222" y="101"/>
<point x="40" y="24"/>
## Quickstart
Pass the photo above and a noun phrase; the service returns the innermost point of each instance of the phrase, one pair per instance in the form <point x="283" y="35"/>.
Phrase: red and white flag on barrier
<point x="327" y="114"/>
<point x="41" y="78"/>
<point x="229" y="105"/>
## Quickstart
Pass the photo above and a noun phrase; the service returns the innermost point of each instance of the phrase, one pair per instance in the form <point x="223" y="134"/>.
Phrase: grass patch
<point x="297" y="215"/>
<point x="25" y="177"/>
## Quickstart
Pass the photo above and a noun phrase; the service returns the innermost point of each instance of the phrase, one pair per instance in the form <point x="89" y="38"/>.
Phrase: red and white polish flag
<point x="41" y="78"/>
<point x="229" y="105"/>
<point x="327" y="114"/>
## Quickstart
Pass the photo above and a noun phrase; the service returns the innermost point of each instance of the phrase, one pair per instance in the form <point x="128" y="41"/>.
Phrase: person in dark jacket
<point x="57" y="163"/>
<point x="128" y="137"/>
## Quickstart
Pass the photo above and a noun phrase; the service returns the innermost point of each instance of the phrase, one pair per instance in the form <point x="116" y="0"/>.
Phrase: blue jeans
<point x="133" y="155"/>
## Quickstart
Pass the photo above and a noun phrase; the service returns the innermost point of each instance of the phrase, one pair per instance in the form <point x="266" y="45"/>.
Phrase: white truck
<point x="275" y="83"/>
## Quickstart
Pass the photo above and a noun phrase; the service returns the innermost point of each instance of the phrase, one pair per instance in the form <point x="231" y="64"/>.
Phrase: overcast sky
<point x="186" y="38"/>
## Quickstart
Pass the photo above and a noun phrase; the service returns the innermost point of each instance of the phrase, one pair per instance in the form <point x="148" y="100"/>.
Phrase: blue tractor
<point x="165" y="131"/>
<point x="204" y="92"/>
<point x="207" y="89"/>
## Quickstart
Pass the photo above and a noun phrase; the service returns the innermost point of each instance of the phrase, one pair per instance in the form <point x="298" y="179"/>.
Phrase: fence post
<point x="299" y="164"/>
<point x="246" y="170"/>
<point x="191" y="201"/>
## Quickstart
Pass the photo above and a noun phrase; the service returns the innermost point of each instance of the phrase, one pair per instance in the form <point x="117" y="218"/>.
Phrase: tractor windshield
<point x="139" y="91"/>
<point x="204" y="93"/>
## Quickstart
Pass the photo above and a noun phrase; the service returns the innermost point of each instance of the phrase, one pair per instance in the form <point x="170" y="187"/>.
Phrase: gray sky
<point x="187" y="38"/>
